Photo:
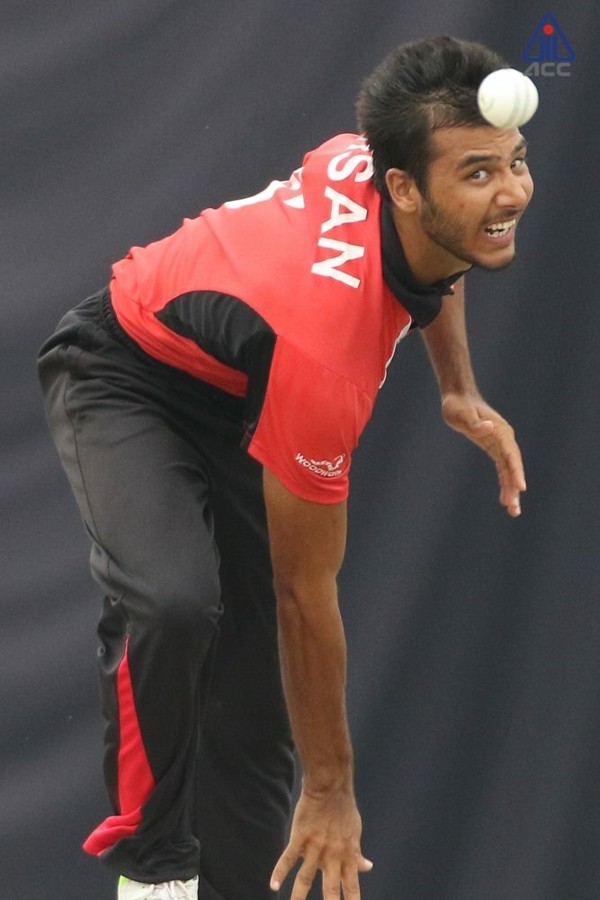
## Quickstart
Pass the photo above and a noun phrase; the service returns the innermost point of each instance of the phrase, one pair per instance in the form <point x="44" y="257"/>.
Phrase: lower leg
<point x="154" y="656"/>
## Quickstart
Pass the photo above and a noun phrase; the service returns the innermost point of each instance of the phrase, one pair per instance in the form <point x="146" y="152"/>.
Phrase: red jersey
<point x="279" y="298"/>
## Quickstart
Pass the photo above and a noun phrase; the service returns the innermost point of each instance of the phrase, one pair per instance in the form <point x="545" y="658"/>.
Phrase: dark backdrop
<point x="474" y="678"/>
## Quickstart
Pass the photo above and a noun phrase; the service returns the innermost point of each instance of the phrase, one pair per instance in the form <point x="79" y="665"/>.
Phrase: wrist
<point x="321" y="781"/>
<point x="465" y="387"/>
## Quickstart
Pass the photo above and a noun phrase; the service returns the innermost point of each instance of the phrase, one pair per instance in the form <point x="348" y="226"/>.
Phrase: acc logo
<point x="548" y="51"/>
<point x="323" y="467"/>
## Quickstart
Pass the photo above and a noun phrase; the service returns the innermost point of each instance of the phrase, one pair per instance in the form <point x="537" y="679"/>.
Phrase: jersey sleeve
<point x="309" y="425"/>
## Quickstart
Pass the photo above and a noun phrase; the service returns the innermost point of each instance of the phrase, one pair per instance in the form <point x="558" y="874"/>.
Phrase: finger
<point x="511" y="476"/>
<point x="504" y="450"/>
<point x="512" y="482"/>
<point x="510" y="467"/>
<point x="285" y="863"/>
<point x="511" y="500"/>
<point x="332" y="882"/>
<point x="350" y="883"/>
<point x="304" y="879"/>
<point x="349" y="879"/>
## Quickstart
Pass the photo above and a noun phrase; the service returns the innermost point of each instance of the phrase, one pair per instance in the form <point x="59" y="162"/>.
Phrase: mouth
<point x="499" y="230"/>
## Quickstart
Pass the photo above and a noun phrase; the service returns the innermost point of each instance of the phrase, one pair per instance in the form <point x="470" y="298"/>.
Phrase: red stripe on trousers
<point x="135" y="781"/>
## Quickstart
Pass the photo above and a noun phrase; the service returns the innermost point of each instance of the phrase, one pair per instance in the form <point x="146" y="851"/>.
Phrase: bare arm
<point x="307" y="548"/>
<point x="463" y="407"/>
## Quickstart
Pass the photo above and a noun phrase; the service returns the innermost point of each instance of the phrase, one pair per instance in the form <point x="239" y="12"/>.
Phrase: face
<point x="478" y="187"/>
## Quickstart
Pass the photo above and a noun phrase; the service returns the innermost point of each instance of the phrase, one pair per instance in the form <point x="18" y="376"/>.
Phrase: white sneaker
<point x="166" y="890"/>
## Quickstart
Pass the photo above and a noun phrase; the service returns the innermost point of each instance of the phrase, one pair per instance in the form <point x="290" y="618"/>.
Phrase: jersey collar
<point x="422" y="301"/>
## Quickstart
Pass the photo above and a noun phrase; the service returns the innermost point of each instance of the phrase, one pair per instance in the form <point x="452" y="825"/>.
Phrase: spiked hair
<point x="418" y="88"/>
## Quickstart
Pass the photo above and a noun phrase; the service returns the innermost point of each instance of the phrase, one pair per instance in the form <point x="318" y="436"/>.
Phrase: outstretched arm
<point x="463" y="407"/>
<point x="307" y="546"/>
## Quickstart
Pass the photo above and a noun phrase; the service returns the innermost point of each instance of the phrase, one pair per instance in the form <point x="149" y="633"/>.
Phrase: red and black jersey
<point x="294" y="299"/>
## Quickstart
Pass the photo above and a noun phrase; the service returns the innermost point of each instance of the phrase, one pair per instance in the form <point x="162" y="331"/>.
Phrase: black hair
<point x="419" y="87"/>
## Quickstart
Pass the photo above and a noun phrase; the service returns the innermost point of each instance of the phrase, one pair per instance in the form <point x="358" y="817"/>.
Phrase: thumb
<point x="364" y="864"/>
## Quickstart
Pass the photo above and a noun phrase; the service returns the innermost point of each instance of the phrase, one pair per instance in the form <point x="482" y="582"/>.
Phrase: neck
<point x="427" y="261"/>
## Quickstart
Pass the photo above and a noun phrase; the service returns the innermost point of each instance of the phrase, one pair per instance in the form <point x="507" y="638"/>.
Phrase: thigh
<point x="141" y="487"/>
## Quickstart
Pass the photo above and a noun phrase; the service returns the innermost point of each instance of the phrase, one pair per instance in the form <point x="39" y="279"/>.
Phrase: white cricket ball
<point x="507" y="98"/>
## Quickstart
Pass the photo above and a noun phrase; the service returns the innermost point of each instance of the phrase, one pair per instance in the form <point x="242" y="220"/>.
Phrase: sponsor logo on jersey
<point x="323" y="467"/>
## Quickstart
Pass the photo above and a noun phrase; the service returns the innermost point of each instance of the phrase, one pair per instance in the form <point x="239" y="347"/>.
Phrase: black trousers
<point x="199" y="757"/>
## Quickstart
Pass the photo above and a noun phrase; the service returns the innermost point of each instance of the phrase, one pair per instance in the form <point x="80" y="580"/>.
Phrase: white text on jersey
<point x="343" y="211"/>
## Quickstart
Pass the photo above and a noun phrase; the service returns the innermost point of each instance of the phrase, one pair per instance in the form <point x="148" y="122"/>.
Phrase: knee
<point x="184" y="606"/>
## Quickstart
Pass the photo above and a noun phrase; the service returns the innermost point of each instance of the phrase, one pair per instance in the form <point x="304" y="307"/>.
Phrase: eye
<point x="519" y="163"/>
<point x="478" y="175"/>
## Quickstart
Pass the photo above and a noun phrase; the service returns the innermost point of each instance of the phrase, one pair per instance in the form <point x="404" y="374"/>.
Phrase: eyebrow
<point x="478" y="158"/>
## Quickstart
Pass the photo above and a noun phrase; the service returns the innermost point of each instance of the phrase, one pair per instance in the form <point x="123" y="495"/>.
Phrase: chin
<point x="496" y="267"/>
<point x="496" y="264"/>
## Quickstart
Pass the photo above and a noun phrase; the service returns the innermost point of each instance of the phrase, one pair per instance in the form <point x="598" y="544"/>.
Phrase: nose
<point x="515" y="190"/>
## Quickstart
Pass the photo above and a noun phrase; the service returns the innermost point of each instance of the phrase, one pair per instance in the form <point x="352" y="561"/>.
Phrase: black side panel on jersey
<point x="233" y="333"/>
<point x="422" y="301"/>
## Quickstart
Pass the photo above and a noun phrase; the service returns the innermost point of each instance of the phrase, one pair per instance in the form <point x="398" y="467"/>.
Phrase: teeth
<point x="500" y="228"/>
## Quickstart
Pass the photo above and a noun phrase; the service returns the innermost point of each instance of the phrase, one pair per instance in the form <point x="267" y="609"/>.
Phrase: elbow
<point x="289" y="593"/>
<point x="301" y="599"/>
<point x="291" y="611"/>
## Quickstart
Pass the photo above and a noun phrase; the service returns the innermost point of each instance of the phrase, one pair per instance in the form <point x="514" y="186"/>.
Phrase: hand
<point x="470" y="415"/>
<point x="325" y="834"/>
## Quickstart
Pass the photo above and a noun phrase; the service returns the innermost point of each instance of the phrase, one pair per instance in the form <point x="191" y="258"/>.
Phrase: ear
<point x="403" y="190"/>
